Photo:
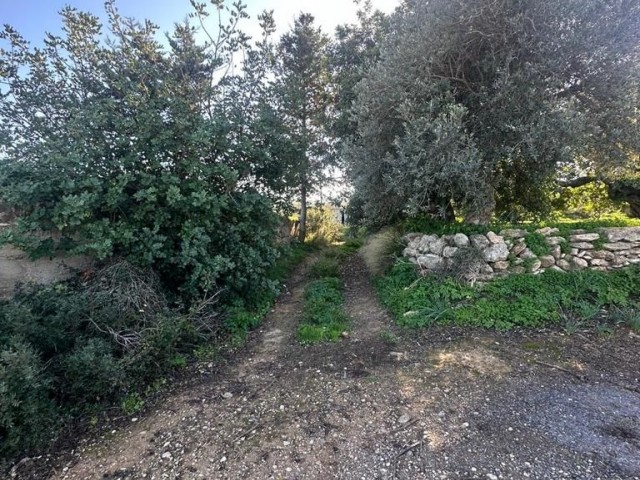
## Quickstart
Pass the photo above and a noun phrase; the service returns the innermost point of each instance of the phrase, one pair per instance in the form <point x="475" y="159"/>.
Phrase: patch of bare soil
<point x="384" y="403"/>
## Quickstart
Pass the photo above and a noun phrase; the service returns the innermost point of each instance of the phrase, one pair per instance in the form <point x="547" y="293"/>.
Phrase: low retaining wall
<point x="491" y="255"/>
<point x="16" y="267"/>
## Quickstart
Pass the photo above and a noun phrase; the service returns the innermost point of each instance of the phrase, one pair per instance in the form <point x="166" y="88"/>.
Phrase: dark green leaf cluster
<point x="130" y="148"/>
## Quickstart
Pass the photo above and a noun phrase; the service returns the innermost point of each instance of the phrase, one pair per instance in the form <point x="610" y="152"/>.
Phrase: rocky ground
<point x="384" y="404"/>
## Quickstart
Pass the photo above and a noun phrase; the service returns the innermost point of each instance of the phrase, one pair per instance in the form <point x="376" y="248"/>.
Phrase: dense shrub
<point x="142" y="156"/>
<point x="71" y="349"/>
<point x="28" y="417"/>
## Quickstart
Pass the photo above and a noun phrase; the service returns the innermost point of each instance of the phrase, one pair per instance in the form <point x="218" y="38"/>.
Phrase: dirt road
<point x="383" y="403"/>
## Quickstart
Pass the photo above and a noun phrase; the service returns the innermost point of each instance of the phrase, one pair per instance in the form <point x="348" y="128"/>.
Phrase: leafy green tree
<point x="484" y="106"/>
<point x="356" y="48"/>
<point x="125" y="147"/>
<point x="302" y="97"/>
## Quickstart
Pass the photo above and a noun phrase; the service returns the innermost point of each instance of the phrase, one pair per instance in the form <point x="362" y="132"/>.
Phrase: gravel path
<point x="386" y="403"/>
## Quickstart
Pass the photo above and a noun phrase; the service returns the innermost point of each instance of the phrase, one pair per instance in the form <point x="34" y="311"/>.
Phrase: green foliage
<point x="486" y="113"/>
<point x="323" y="226"/>
<point x="28" y="417"/>
<point x="69" y="350"/>
<point x="586" y="202"/>
<point x="537" y="244"/>
<point x="323" y="318"/>
<point x="141" y="155"/>
<point x="629" y="315"/>
<point x="325" y="267"/>
<point x="513" y="301"/>
<point x="389" y="337"/>
<point x="300" y="96"/>
<point x="428" y="224"/>
<point x="90" y="373"/>
<point x="132" y="404"/>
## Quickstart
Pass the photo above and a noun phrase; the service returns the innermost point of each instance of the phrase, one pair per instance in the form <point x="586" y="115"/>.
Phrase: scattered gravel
<point x="385" y="403"/>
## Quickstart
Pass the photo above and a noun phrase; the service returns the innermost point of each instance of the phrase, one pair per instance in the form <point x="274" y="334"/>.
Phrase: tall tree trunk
<point x="302" y="233"/>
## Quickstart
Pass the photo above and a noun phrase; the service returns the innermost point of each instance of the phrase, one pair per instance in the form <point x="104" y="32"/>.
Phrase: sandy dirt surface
<point x="386" y="403"/>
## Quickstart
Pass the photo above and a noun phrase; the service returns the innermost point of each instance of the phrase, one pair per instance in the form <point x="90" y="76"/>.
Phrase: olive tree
<point x="485" y="106"/>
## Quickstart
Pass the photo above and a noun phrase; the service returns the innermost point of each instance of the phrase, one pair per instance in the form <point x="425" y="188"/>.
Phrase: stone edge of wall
<point x="507" y="252"/>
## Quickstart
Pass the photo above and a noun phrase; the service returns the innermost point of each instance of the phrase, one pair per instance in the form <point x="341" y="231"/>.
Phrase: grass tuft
<point x="379" y="250"/>
<point x="576" y="298"/>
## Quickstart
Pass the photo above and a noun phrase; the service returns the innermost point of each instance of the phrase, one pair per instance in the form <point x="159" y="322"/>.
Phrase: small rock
<point x="449" y="252"/>
<point x="582" y="246"/>
<point x="461" y="240"/>
<point x="584" y="237"/>
<point x="166" y="455"/>
<point x="553" y="241"/>
<point x="501" y="266"/>
<point x="535" y="266"/>
<point x="227" y="395"/>
<point x="495" y="239"/>
<point x="546" y="231"/>
<point x="527" y="253"/>
<point x="430" y="262"/>
<point x="479" y="241"/>
<point x="518" y="248"/>
<point x="513" y="233"/>
<point x="491" y="476"/>
<point x="630" y="234"/>
<point x="404" y="419"/>
<point x="619" y="246"/>
<point x="438" y="246"/>
<point x="602" y="255"/>
<point x="496" y="253"/>
<point x="397" y="355"/>
<point x="580" y="263"/>
<point x="547" y="261"/>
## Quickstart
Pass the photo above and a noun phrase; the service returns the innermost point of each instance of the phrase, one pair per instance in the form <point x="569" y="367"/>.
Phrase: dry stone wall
<point x="484" y="257"/>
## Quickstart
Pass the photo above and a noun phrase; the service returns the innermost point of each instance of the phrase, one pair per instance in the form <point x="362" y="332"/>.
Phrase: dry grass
<point x="378" y="251"/>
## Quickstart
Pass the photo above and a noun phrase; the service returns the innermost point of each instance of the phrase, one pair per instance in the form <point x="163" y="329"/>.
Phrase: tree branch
<point x="577" y="182"/>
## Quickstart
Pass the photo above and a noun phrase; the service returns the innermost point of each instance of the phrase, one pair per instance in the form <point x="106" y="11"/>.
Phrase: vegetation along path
<point x="385" y="403"/>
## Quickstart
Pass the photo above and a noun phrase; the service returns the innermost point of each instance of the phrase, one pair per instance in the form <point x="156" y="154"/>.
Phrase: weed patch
<point x="323" y="317"/>
<point x="378" y="252"/>
<point x="514" y="301"/>
<point x="325" y="267"/>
